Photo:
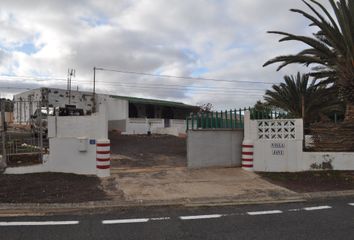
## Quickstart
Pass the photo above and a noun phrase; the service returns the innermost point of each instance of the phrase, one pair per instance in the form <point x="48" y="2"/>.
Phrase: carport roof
<point x="155" y="102"/>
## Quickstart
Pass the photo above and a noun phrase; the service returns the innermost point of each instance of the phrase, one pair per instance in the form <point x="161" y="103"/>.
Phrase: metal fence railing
<point x="216" y="119"/>
<point x="229" y="119"/>
<point x="24" y="135"/>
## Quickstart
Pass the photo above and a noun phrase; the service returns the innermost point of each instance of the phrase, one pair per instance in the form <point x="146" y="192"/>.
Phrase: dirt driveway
<point x="129" y="151"/>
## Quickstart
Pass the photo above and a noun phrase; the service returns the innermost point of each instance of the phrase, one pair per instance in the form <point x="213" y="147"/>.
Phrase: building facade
<point x="128" y="115"/>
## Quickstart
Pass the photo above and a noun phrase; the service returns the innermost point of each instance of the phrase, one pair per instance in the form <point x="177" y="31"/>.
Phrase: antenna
<point x="71" y="73"/>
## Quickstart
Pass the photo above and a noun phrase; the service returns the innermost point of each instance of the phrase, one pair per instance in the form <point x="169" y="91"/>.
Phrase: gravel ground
<point x="147" y="151"/>
<point x="50" y="188"/>
<point x="313" y="181"/>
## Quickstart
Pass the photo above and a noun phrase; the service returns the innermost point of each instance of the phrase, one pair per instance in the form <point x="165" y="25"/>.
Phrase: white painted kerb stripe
<point x="317" y="208"/>
<point x="264" y="212"/>
<point x="132" y="220"/>
<point x="43" y="223"/>
<point x="201" y="216"/>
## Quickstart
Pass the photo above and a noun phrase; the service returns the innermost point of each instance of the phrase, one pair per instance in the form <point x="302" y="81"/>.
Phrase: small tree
<point x="206" y="107"/>
<point x="303" y="99"/>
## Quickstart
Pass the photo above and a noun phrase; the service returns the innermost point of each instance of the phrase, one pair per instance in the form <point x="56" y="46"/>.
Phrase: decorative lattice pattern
<point x="276" y="129"/>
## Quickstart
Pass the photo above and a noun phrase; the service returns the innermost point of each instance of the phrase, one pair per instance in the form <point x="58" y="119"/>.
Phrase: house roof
<point x="133" y="99"/>
<point x="155" y="102"/>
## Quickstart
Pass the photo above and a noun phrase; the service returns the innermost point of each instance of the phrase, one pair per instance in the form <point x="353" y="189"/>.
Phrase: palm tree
<point x="331" y="49"/>
<point x="301" y="99"/>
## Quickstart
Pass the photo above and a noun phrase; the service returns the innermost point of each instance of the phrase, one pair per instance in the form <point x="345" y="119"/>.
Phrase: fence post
<point x="226" y="121"/>
<point x="192" y="121"/>
<point x="3" y="137"/>
<point x="40" y="133"/>
<point x="222" y="119"/>
<point x="240" y="116"/>
<point x="217" y="120"/>
<point x="202" y="120"/>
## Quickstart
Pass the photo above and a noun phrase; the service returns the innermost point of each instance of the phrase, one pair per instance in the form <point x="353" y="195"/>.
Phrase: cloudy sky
<point x="219" y="39"/>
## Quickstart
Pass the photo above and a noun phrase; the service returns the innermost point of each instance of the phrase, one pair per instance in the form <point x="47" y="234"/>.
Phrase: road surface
<point x="325" y="219"/>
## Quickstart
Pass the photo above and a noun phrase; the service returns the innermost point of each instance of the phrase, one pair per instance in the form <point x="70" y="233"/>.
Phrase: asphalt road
<point x="326" y="219"/>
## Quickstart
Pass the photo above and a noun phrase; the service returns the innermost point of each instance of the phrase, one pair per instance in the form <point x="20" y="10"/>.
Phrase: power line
<point x="115" y="83"/>
<point x="179" y="77"/>
<point x="19" y="88"/>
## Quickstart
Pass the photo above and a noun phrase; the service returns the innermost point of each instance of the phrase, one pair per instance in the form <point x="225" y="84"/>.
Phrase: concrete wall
<point x="142" y="125"/>
<point x="177" y="127"/>
<point x="278" y="148"/>
<point x="72" y="141"/>
<point x="117" y="109"/>
<point x="210" y="148"/>
<point x="328" y="160"/>
<point x="66" y="156"/>
<point x="72" y="144"/>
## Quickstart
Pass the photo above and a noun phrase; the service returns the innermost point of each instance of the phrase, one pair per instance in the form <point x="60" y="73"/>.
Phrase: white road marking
<point x="160" y="218"/>
<point x="317" y="208"/>
<point x="264" y="212"/>
<point x="294" y="210"/>
<point x="132" y="220"/>
<point x="351" y="204"/>
<point x="39" y="223"/>
<point x="201" y="216"/>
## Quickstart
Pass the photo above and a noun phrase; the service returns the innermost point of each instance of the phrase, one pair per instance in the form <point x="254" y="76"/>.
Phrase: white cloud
<point x="225" y="38"/>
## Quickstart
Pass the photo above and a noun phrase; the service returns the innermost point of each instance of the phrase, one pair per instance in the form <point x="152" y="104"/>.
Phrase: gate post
<point x="247" y="155"/>
<point x="103" y="157"/>
<point x="247" y="144"/>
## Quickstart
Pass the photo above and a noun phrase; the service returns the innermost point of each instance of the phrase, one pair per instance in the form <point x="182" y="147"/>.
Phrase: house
<point x="128" y="115"/>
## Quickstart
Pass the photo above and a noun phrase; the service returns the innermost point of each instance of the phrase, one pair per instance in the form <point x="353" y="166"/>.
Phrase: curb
<point x="42" y="209"/>
<point x="328" y="194"/>
<point x="35" y="209"/>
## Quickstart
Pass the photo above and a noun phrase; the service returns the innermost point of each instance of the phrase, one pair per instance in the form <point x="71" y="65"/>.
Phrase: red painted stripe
<point x="247" y="153"/>
<point x="103" y="167"/>
<point x="103" y="152"/>
<point x="103" y="159"/>
<point x="247" y="146"/>
<point x="247" y="160"/>
<point x="103" y="144"/>
<point x="247" y="165"/>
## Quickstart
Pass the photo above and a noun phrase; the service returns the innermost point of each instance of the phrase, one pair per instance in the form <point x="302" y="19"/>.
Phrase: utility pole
<point x="94" y="99"/>
<point x="94" y="91"/>
<point x="71" y="73"/>
<point x="3" y="136"/>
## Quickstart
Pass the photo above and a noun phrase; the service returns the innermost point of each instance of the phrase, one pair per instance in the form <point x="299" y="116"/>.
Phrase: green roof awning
<point x="155" y="102"/>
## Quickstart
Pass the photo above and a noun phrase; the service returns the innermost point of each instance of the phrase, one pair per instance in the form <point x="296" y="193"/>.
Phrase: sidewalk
<point x="179" y="186"/>
<point x="196" y="186"/>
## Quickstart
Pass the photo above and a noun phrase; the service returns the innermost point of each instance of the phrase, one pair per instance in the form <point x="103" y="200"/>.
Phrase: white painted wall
<point x="142" y="125"/>
<point x="72" y="144"/>
<point x="177" y="127"/>
<point x="94" y="126"/>
<point x="65" y="156"/>
<point x="281" y="153"/>
<point x="117" y="109"/>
